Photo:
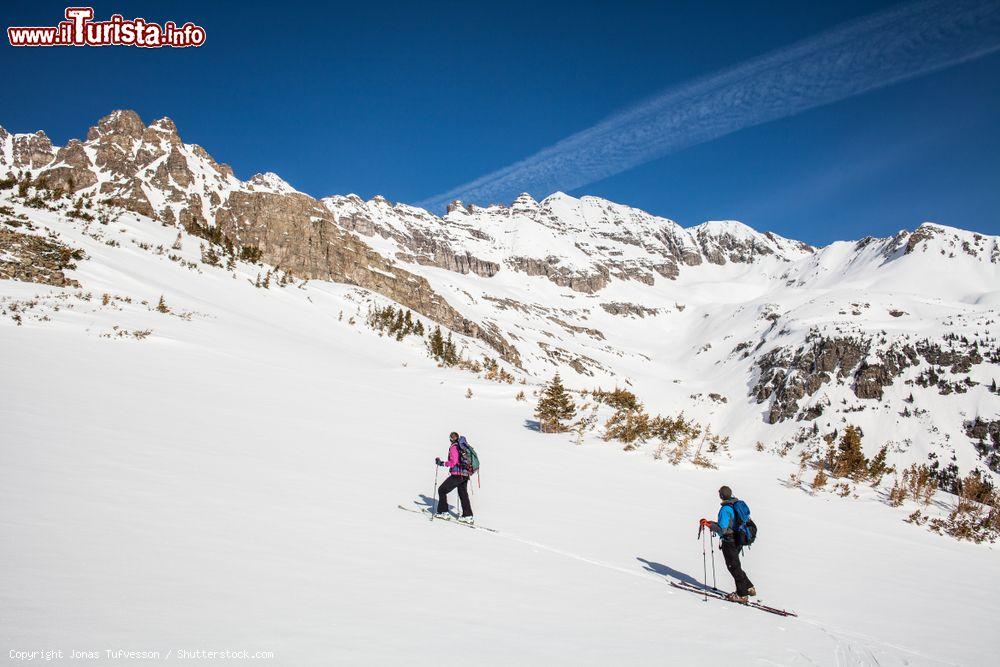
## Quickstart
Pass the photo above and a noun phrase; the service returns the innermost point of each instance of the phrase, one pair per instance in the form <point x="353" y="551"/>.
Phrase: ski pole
<point x="711" y="544"/>
<point x="434" y="493"/>
<point x="704" y="565"/>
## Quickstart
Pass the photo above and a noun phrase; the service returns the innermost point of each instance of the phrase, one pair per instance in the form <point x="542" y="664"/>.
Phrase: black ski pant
<point x="461" y="483"/>
<point x="731" y="552"/>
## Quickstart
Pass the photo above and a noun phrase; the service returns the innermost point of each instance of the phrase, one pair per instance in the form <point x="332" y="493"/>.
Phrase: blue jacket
<point x="727" y="517"/>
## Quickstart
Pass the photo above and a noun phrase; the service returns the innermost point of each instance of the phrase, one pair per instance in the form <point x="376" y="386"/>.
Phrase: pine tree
<point x="819" y="481"/>
<point x="450" y="354"/>
<point x="398" y="326"/>
<point x="877" y="467"/>
<point x="555" y="407"/>
<point x="436" y="344"/>
<point x="162" y="306"/>
<point x="209" y="256"/>
<point x="850" y="459"/>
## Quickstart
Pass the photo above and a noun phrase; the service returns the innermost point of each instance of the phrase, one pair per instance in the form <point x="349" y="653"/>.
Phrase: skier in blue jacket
<point x="730" y="546"/>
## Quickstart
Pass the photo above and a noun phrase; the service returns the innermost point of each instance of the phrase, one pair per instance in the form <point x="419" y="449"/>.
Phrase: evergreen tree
<point x="450" y="354"/>
<point x="877" y="467"/>
<point x="555" y="407"/>
<point x="399" y="325"/>
<point x="436" y="344"/>
<point x="210" y="257"/>
<point x="850" y="460"/>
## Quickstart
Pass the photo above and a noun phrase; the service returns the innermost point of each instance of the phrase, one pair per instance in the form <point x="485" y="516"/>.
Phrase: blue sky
<point x="411" y="99"/>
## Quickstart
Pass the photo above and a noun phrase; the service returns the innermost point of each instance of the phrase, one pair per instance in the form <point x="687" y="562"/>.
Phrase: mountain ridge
<point x="799" y="340"/>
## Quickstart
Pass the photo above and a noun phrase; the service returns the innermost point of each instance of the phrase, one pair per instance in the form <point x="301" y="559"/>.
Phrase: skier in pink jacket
<point x="459" y="479"/>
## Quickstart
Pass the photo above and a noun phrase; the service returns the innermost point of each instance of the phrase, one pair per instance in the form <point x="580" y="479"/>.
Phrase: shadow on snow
<point x="667" y="571"/>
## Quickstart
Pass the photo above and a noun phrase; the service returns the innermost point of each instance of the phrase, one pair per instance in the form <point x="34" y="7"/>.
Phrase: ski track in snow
<point x="851" y="648"/>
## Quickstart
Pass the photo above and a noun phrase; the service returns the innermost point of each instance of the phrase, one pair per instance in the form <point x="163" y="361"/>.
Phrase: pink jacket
<point x="454" y="461"/>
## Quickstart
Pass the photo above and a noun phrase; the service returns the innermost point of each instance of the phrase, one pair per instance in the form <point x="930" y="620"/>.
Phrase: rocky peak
<point x="161" y="133"/>
<point x="724" y="241"/>
<point x="951" y="242"/>
<point x="31" y="151"/>
<point x="164" y="125"/>
<point x="524" y="203"/>
<point x="125" y="123"/>
<point x="270" y="182"/>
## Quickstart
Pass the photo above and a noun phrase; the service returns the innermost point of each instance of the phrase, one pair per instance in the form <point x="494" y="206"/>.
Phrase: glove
<point x="705" y="523"/>
<point x="439" y="461"/>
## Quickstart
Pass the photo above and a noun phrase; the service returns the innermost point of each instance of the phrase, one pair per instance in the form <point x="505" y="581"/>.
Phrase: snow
<point x="380" y="271"/>
<point x="231" y="482"/>
<point x="270" y="182"/>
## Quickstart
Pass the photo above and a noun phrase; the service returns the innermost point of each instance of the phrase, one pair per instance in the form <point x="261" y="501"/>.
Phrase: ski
<point x="446" y="517"/>
<point x="721" y="596"/>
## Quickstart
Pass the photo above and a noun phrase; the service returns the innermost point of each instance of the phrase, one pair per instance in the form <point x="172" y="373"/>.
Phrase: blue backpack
<point x="744" y="529"/>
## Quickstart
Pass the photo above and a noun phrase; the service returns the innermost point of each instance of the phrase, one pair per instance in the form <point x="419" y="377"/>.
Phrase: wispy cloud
<point x="873" y="52"/>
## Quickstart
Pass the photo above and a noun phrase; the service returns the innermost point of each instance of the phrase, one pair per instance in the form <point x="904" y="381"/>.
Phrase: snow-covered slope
<point x="623" y="297"/>
<point x="799" y="341"/>
<point x="224" y="476"/>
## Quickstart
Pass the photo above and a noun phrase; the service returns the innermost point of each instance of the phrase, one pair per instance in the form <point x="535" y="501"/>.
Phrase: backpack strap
<point x="734" y="526"/>
<point x="742" y="535"/>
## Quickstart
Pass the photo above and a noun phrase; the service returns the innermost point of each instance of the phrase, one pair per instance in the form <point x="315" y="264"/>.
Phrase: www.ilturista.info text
<point x="79" y="29"/>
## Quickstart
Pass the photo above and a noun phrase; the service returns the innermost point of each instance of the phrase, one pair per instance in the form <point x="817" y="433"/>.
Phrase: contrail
<point x="885" y="48"/>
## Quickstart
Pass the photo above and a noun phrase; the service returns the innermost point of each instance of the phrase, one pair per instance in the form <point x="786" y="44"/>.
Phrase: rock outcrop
<point x="36" y="259"/>
<point x="786" y="377"/>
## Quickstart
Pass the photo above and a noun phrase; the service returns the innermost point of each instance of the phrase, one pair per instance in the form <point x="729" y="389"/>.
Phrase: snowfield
<point x="231" y="481"/>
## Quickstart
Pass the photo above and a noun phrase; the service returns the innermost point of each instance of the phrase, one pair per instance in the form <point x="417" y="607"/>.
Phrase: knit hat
<point x="726" y="493"/>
